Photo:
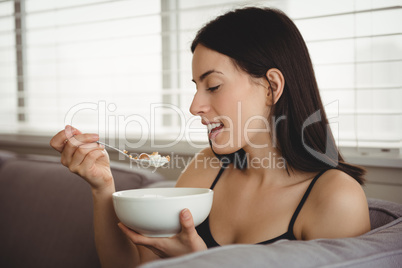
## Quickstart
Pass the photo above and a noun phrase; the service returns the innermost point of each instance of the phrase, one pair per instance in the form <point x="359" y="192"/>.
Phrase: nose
<point x="200" y="104"/>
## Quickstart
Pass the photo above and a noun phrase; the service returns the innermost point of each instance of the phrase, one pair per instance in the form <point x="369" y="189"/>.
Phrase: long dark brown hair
<point x="258" y="39"/>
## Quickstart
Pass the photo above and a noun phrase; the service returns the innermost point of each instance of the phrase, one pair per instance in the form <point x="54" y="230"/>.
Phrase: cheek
<point x="255" y="117"/>
<point x="255" y="108"/>
<point x="225" y="106"/>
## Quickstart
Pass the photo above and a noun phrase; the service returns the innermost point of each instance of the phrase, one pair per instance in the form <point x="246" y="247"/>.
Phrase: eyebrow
<point x="204" y="75"/>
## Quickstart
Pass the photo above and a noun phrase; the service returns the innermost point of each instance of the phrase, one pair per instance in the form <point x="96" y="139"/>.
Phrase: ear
<point x="276" y="85"/>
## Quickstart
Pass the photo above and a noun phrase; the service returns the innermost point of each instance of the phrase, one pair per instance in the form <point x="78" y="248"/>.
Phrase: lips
<point x="213" y="129"/>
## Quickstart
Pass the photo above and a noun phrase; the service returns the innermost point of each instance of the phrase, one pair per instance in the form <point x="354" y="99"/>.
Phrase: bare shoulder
<point x="337" y="208"/>
<point x="201" y="171"/>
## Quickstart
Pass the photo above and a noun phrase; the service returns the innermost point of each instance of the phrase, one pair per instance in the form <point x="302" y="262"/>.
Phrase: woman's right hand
<point x="83" y="156"/>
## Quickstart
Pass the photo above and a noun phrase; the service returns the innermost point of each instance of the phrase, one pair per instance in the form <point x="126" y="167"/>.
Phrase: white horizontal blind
<point x="108" y="65"/>
<point x="95" y="64"/>
<point x="357" y="52"/>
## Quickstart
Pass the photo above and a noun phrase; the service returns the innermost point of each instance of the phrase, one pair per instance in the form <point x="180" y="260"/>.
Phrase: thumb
<point x="71" y="131"/>
<point x="187" y="222"/>
<point x="76" y="131"/>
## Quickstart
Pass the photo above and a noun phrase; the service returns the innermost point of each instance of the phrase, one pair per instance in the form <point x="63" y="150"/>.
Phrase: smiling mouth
<point x="213" y="128"/>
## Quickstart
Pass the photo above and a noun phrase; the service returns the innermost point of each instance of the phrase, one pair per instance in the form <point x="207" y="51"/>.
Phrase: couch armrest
<point x="379" y="249"/>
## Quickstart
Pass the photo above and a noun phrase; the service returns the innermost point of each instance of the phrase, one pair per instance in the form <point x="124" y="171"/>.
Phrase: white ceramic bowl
<point x="155" y="211"/>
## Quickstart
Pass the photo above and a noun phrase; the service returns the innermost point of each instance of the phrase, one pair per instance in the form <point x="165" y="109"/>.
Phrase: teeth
<point x="212" y="126"/>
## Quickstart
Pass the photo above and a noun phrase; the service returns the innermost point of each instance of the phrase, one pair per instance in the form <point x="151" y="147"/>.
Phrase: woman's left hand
<point x="186" y="241"/>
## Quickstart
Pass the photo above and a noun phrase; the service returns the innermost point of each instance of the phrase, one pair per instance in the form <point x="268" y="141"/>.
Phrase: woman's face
<point x="231" y="104"/>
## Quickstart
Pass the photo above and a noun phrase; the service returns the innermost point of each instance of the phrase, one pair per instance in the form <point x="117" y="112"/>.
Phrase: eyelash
<point x="212" y="89"/>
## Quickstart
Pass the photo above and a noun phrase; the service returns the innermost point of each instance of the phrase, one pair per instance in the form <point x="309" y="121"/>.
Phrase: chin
<point x="222" y="150"/>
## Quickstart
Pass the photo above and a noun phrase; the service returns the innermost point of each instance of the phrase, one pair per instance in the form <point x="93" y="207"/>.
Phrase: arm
<point x="83" y="156"/>
<point x="114" y="249"/>
<point x="337" y="208"/>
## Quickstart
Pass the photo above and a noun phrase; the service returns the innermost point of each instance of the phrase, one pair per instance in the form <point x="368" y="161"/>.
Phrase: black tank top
<point x="205" y="233"/>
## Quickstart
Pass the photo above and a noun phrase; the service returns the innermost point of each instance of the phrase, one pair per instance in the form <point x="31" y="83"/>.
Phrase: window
<point x="8" y="76"/>
<point x="123" y="68"/>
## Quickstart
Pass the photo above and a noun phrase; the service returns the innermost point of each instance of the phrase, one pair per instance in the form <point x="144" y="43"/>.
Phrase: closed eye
<point x="213" y="88"/>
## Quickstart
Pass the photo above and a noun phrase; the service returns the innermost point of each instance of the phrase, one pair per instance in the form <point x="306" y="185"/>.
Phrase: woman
<point x="281" y="174"/>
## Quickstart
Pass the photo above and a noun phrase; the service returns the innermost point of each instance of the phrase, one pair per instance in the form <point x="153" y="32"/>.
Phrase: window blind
<point x="8" y="69"/>
<point x="123" y="68"/>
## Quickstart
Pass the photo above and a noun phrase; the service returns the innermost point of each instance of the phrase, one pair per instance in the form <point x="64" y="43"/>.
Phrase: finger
<point x="156" y="245"/>
<point x="89" y="162"/>
<point x="81" y="139"/>
<point x="187" y="222"/>
<point x="135" y="237"/>
<point x="59" y="140"/>
<point x="72" y="144"/>
<point x="85" y="158"/>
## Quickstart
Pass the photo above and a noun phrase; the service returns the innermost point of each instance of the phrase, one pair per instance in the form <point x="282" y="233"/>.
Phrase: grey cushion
<point x="383" y="212"/>
<point x="5" y="155"/>
<point x="381" y="247"/>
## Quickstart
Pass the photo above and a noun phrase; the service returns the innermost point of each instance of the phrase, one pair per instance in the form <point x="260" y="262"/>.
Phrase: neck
<point x="266" y="166"/>
<point x="266" y="163"/>
<point x="263" y="154"/>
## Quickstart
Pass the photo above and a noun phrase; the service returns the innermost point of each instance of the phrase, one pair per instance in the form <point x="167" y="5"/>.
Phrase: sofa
<point x="46" y="211"/>
<point x="46" y="221"/>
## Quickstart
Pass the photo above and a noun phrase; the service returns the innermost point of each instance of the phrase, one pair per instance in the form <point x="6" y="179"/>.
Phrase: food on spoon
<point x="144" y="156"/>
<point x="155" y="156"/>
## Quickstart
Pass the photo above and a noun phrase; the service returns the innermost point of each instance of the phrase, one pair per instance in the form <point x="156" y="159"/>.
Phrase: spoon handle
<point x="114" y="148"/>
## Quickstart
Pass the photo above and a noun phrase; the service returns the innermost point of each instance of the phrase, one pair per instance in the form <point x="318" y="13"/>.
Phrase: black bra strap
<point x="306" y="194"/>
<point x="219" y="175"/>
